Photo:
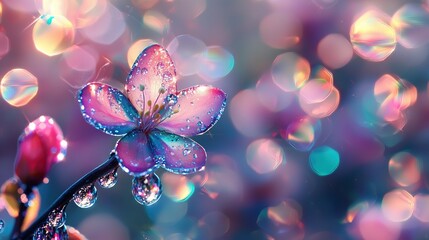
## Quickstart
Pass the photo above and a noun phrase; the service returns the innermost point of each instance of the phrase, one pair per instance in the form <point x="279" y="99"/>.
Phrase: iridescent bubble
<point x="136" y="48"/>
<point x="156" y="21"/>
<point x="147" y="189"/>
<point x="373" y="226"/>
<point x="52" y="35"/>
<point x="280" y="30"/>
<point x="4" y="44"/>
<point x="372" y="37"/>
<point x="324" y="160"/>
<point x="324" y="4"/>
<point x="282" y="221"/>
<point x="404" y="168"/>
<point x="109" y="180"/>
<point x="290" y="71"/>
<point x="178" y="188"/>
<point x="86" y="196"/>
<point x="335" y="51"/>
<point x="421" y="207"/>
<point x="78" y="65"/>
<point x="215" y="224"/>
<point x="321" y="109"/>
<point x="411" y="23"/>
<point x="185" y="51"/>
<point x="319" y="87"/>
<point x="18" y="87"/>
<point x="57" y="217"/>
<point x="101" y="30"/>
<point x="398" y="205"/>
<point x="247" y="114"/>
<point x="215" y="62"/>
<point x="264" y="155"/>
<point x="394" y="95"/>
<point x="303" y="133"/>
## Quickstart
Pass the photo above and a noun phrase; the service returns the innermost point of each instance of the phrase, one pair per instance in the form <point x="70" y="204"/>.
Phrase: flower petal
<point x="151" y="79"/>
<point x="177" y="154"/>
<point x="107" y="109"/>
<point x="197" y="109"/>
<point x="135" y="155"/>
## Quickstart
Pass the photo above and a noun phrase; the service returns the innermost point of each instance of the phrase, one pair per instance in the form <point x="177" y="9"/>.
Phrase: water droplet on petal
<point x="147" y="189"/>
<point x="144" y="71"/>
<point x="86" y="196"/>
<point x="186" y="151"/>
<point x="109" y="180"/>
<point x="57" y="217"/>
<point x="1" y="225"/>
<point x="167" y="76"/>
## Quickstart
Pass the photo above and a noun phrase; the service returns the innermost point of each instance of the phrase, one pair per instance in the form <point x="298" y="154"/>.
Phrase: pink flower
<point x="153" y="118"/>
<point x="39" y="147"/>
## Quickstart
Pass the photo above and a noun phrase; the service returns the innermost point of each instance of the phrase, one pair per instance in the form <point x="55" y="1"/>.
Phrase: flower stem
<point x="23" y="206"/>
<point x="67" y="196"/>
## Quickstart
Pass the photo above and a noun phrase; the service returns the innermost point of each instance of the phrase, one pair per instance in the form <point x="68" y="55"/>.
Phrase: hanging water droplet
<point x="1" y="225"/>
<point x="57" y="217"/>
<point x="60" y="233"/>
<point x="186" y="151"/>
<point x="42" y="233"/>
<point x="147" y="189"/>
<point x="109" y="180"/>
<point x="86" y="196"/>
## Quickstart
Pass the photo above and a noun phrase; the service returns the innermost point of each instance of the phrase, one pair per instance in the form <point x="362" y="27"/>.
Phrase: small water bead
<point x="147" y="189"/>
<point x="372" y="37"/>
<point x="57" y="217"/>
<point x="18" y="87"/>
<point x="86" y="196"/>
<point x="109" y="180"/>
<point x="1" y="225"/>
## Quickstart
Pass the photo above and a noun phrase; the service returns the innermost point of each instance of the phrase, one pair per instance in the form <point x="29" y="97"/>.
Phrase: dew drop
<point x="167" y="76"/>
<point x="109" y="180"/>
<point x="186" y="151"/>
<point x="160" y="66"/>
<point x="86" y="196"/>
<point x="172" y="99"/>
<point x="1" y="225"/>
<point x="144" y="71"/>
<point x="92" y="111"/>
<point x="147" y="189"/>
<point x="57" y="217"/>
<point x="195" y="156"/>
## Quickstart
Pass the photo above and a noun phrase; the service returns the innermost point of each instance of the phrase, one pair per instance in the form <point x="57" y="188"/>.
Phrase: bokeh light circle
<point x="280" y="30"/>
<point x="411" y="23"/>
<point x="290" y="71"/>
<point x="324" y="160"/>
<point x="398" y="205"/>
<point x="319" y="87"/>
<point x="215" y="62"/>
<point x="216" y="224"/>
<point x="136" y="48"/>
<point x="18" y="87"/>
<point x="78" y="65"/>
<point x="4" y="44"/>
<point x="421" y="207"/>
<point x="185" y="51"/>
<point x="372" y="37"/>
<point x="178" y="188"/>
<point x="404" y="168"/>
<point x="52" y="35"/>
<point x="264" y="155"/>
<point x="335" y="51"/>
<point x="321" y="109"/>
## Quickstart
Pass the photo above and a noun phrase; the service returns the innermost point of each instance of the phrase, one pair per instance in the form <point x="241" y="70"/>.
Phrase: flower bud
<point x="40" y="146"/>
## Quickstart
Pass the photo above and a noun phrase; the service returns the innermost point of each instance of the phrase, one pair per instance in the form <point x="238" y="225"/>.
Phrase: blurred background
<point x="325" y="134"/>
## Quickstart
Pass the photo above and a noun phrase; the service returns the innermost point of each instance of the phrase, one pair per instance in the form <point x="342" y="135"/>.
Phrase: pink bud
<point x="40" y="146"/>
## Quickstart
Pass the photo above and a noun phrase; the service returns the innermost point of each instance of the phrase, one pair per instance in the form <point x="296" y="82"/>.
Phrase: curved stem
<point x="19" y="220"/>
<point x="67" y="196"/>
